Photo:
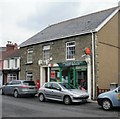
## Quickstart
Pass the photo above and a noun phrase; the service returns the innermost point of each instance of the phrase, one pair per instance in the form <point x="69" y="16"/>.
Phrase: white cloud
<point x="21" y="19"/>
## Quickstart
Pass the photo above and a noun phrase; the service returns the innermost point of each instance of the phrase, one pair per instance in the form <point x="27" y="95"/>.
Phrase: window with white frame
<point x="46" y="52"/>
<point x="29" y="76"/>
<point x="30" y="55"/>
<point x="15" y="63"/>
<point x="70" y="50"/>
<point x="8" y="63"/>
<point x="11" y="77"/>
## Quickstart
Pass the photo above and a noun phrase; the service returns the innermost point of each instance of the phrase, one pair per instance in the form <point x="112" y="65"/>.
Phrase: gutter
<point x="93" y="63"/>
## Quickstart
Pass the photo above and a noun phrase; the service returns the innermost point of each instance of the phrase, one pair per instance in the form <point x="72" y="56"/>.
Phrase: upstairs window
<point x="70" y="50"/>
<point x="8" y="63"/>
<point x="15" y="63"/>
<point x="46" y="52"/>
<point x="30" y="55"/>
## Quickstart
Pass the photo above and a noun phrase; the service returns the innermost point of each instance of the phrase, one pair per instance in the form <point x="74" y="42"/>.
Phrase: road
<point x="31" y="107"/>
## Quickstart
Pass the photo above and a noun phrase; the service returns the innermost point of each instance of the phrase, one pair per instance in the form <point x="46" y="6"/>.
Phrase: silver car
<point x="61" y="92"/>
<point x="19" y="87"/>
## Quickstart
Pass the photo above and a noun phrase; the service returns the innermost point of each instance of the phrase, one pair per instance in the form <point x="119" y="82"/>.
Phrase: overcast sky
<point x="21" y="19"/>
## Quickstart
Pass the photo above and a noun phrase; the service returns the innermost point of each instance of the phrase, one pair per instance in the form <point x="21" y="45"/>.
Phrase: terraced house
<point x="83" y="51"/>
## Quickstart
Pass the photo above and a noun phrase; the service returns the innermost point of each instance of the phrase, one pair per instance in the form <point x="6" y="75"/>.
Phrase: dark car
<point x="60" y="91"/>
<point x="109" y="99"/>
<point x="19" y="87"/>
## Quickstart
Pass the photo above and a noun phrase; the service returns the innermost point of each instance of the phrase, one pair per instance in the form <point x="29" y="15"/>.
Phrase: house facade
<point x="11" y="63"/>
<point x="83" y="51"/>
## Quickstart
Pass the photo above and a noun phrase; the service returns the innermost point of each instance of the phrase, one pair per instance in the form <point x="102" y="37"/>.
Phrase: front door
<point x="43" y="75"/>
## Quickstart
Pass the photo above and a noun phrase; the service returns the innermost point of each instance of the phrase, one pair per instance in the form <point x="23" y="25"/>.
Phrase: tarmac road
<point x="31" y="107"/>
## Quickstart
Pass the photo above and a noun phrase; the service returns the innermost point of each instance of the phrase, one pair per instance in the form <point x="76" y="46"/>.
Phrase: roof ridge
<point x="82" y="16"/>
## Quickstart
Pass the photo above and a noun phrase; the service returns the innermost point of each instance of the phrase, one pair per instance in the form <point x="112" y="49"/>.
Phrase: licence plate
<point x="31" y="88"/>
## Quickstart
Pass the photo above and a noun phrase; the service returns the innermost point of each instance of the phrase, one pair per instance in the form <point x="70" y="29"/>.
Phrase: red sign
<point x="52" y="74"/>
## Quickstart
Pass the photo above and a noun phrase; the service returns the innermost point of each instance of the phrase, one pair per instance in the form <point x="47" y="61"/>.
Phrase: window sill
<point x="29" y="63"/>
<point x="70" y="59"/>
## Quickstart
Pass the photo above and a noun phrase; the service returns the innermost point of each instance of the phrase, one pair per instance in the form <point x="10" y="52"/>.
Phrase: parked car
<point x="109" y="99"/>
<point x="60" y="91"/>
<point x="19" y="87"/>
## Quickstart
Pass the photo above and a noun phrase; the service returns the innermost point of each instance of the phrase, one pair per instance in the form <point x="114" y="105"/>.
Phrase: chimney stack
<point x="10" y="46"/>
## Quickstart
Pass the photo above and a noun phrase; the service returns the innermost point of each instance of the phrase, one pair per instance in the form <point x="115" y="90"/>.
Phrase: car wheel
<point x="41" y="98"/>
<point x="16" y="94"/>
<point x="106" y="104"/>
<point x="67" y="100"/>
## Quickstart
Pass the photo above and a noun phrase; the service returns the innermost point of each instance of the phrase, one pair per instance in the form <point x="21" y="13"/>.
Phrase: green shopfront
<point x="72" y="72"/>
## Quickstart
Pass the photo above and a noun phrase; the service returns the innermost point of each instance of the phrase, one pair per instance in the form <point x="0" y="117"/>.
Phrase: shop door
<point x="81" y="80"/>
<point x="67" y="75"/>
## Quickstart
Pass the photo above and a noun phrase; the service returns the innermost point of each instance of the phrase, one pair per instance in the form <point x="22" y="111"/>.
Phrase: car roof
<point x="19" y="80"/>
<point x="54" y="82"/>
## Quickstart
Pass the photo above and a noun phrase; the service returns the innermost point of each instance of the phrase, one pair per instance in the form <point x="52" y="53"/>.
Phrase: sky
<point x="22" y="19"/>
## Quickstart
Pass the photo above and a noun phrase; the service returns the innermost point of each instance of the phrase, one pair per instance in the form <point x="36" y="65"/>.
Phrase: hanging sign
<point x="87" y="51"/>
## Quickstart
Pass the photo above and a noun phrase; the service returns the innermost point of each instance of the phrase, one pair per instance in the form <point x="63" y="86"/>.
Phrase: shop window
<point x="29" y="76"/>
<point x="55" y="74"/>
<point x="11" y="77"/>
<point x="30" y="55"/>
<point x="70" y="50"/>
<point x="46" y="52"/>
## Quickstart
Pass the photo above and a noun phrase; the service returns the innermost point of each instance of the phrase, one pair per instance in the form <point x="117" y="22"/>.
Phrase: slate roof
<point x="72" y="27"/>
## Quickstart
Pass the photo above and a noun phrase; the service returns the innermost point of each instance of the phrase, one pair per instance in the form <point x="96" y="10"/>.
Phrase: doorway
<point x="81" y="79"/>
<point x="43" y="75"/>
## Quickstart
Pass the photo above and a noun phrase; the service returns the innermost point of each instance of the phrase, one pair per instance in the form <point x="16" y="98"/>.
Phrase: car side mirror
<point x="6" y="83"/>
<point x="59" y="89"/>
<point x="116" y="91"/>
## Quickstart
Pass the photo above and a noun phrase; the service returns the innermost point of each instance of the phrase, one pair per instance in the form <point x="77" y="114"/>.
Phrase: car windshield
<point x="67" y="86"/>
<point x="29" y="83"/>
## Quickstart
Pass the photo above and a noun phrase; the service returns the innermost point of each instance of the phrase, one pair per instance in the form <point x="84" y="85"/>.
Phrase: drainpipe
<point x="88" y="60"/>
<point x="93" y="63"/>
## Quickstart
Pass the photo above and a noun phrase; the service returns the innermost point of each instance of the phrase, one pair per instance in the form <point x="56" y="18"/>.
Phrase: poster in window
<point x="52" y="74"/>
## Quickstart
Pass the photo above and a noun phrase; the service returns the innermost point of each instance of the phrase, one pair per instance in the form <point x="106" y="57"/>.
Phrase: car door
<point x="7" y="88"/>
<point x="14" y="85"/>
<point x="56" y="92"/>
<point x="48" y="90"/>
<point x="116" y="97"/>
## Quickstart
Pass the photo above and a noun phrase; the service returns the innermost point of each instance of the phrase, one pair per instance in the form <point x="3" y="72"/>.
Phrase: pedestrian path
<point x="92" y="101"/>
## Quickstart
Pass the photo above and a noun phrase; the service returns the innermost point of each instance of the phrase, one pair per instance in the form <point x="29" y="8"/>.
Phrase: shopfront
<point x="72" y="72"/>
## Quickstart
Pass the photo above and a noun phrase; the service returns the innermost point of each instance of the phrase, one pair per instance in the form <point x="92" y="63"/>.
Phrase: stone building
<point x="57" y="53"/>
